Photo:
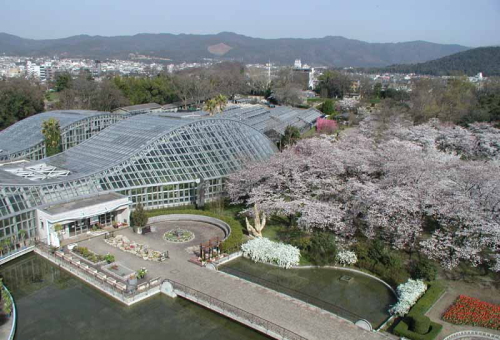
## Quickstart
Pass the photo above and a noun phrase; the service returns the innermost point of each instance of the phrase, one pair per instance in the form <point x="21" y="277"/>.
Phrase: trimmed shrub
<point x="428" y="299"/>
<point x="230" y="245"/>
<point x="420" y="324"/>
<point x="403" y="330"/>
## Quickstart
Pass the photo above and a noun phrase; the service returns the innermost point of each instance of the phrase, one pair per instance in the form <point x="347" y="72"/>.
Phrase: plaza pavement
<point x="292" y="314"/>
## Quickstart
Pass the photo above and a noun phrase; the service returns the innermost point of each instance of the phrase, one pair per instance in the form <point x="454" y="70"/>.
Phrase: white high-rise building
<point x="298" y="63"/>
<point x="32" y="70"/>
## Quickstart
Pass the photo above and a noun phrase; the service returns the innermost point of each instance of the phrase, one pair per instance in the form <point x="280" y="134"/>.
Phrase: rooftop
<point x="82" y="203"/>
<point x="28" y="132"/>
<point x="149" y="106"/>
<point x="118" y="144"/>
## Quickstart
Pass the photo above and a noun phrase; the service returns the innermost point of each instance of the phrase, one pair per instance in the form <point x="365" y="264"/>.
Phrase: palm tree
<point x="51" y="130"/>
<point x="211" y="106"/>
<point x="221" y="101"/>
<point x="22" y="235"/>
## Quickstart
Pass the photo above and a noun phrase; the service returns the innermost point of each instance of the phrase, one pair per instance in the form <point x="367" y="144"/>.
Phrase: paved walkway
<point x="296" y="316"/>
<point x="485" y="293"/>
<point x="5" y="328"/>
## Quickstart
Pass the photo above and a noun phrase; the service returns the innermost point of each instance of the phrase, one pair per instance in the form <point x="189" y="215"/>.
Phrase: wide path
<point x="296" y="316"/>
<point x="5" y="328"/>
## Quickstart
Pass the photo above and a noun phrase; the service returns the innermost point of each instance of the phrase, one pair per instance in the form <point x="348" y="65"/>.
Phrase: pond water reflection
<point x="55" y="305"/>
<point x="348" y="294"/>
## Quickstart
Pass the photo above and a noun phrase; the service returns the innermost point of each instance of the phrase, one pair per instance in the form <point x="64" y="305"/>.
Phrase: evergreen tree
<point x="139" y="217"/>
<point x="291" y="136"/>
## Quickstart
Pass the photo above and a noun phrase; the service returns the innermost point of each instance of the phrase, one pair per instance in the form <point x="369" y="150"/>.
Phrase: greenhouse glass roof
<point x="266" y="119"/>
<point x="204" y="147"/>
<point x="28" y="131"/>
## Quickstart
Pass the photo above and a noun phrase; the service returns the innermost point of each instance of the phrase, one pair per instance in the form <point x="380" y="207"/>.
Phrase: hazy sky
<point x="466" y="22"/>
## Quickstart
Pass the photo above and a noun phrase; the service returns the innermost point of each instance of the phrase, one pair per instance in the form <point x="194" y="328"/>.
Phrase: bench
<point x="142" y="286"/>
<point x="121" y="286"/>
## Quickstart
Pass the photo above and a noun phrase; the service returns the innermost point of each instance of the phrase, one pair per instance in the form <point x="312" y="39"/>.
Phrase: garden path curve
<point x="308" y="321"/>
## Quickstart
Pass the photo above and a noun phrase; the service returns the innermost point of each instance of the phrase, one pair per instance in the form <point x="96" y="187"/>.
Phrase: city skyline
<point x="446" y="22"/>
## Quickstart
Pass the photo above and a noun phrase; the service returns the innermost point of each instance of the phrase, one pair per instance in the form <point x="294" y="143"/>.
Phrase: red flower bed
<point x="471" y="311"/>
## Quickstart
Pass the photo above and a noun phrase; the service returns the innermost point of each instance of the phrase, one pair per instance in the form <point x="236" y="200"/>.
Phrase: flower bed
<point x="266" y="251"/>
<point x="471" y="311"/>
<point x="230" y="245"/>
<point x="88" y="254"/>
<point x="123" y="243"/>
<point x="178" y="235"/>
<point x="408" y="294"/>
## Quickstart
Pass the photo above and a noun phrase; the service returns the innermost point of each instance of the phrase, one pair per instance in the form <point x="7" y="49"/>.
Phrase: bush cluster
<point x="380" y="260"/>
<point x="424" y="269"/>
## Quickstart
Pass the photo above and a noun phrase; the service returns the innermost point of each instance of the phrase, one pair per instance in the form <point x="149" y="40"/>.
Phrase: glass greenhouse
<point x="157" y="161"/>
<point x="24" y="140"/>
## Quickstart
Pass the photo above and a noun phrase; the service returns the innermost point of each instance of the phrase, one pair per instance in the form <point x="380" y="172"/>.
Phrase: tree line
<point x="454" y="100"/>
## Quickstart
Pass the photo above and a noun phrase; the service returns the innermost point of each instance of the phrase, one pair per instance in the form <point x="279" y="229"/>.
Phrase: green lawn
<point x="309" y="133"/>
<point x="272" y="232"/>
<point x="53" y="96"/>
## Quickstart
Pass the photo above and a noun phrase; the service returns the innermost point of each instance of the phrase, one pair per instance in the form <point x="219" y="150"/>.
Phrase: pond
<point x="348" y="294"/>
<point x="52" y="304"/>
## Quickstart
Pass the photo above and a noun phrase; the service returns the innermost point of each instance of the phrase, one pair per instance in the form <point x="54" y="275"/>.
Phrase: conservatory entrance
<point x="77" y="227"/>
<point x="71" y="219"/>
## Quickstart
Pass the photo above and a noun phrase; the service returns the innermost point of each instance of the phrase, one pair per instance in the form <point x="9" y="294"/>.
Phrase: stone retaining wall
<point x="194" y="218"/>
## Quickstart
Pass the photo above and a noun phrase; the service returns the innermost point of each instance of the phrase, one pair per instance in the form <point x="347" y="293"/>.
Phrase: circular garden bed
<point x="178" y="235"/>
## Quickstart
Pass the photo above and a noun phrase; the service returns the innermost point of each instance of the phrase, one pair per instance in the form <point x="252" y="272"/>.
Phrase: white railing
<point x="466" y="334"/>
<point x="13" y="315"/>
<point x="235" y="313"/>
<point x="99" y="280"/>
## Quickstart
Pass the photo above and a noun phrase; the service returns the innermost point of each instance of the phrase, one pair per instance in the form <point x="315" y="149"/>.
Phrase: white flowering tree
<point x="348" y="104"/>
<point x="266" y="251"/>
<point x="346" y="258"/>
<point x="408" y="295"/>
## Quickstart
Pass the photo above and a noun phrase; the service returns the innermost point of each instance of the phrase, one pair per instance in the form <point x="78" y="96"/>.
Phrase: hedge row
<point x="231" y="244"/>
<point x="402" y="329"/>
<point x="428" y="299"/>
<point x="423" y="304"/>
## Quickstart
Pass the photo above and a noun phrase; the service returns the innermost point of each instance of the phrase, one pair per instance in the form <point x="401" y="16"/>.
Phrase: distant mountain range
<point x="328" y="51"/>
<point x="471" y="62"/>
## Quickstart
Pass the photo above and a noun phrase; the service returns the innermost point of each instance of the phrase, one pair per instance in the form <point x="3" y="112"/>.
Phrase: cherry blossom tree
<point x="434" y="188"/>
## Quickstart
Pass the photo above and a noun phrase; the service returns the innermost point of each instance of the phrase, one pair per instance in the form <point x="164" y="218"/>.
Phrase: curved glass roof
<point x="220" y="139"/>
<point x="28" y="132"/>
